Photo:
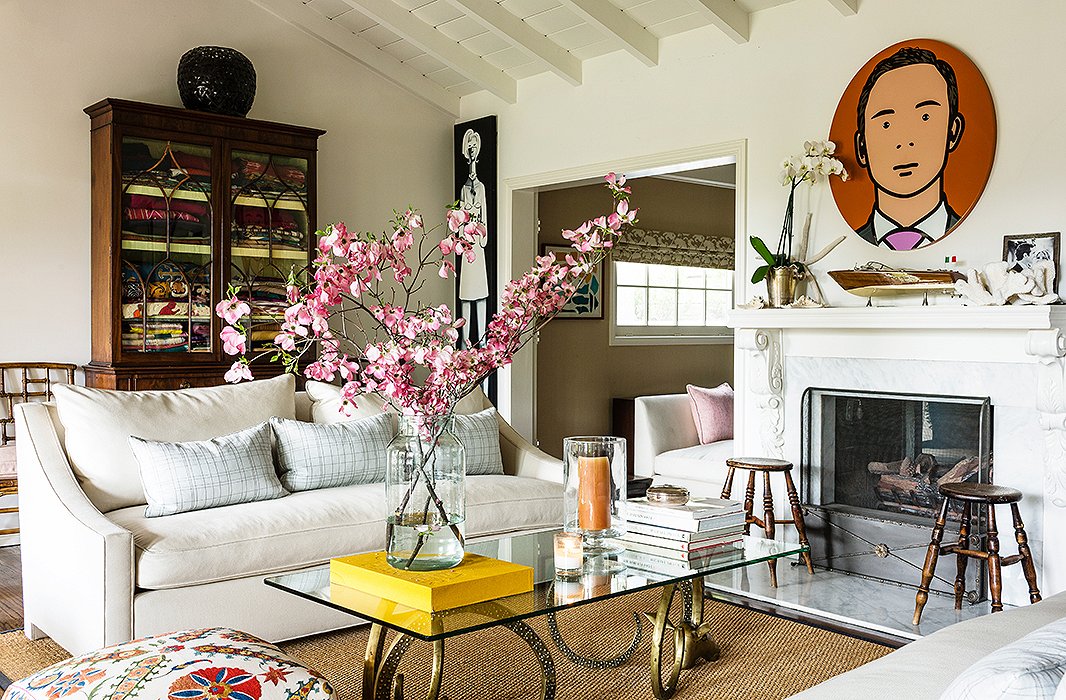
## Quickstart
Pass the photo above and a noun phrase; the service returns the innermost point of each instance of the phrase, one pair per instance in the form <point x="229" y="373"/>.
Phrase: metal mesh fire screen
<point x="871" y="464"/>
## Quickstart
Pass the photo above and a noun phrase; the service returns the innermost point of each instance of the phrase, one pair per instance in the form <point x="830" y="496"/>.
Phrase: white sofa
<point x="924" y="669"/>
<point x="666" y="447"/>
<point x="92" y="578"/>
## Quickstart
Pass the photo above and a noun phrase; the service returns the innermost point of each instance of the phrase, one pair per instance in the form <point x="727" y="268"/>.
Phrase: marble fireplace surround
<point x="1014" y="355"/>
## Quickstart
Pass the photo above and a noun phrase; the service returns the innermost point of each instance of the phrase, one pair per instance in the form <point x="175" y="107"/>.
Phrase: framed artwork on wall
<point x="916" y="132"/>
<point x="1022" y="250"/>
<point x="587" y="301"/>
<point x="476" y="286"/>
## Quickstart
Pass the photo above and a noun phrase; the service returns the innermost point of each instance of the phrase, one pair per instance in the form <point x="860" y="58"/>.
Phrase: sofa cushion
<point x="98" y="424"/>
<point x="480" y="434"/>
<point x="323" y="455"/>
<point x="712" y="412"/>
<point x="309" y="527"/>
<point x="1031" y="667"/>
<point x="327" y="404"/>
<point x="179" y="477"/>
<point x="699" y="462"/>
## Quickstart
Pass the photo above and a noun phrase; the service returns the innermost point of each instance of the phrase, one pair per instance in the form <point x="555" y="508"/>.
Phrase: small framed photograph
<point x="1021" y="250"/>
<point x="587" y="301"/>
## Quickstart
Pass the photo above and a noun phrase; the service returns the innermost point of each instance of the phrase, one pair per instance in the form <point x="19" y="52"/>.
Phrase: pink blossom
<point x="238" y="372"/>
<point x="232" y="309"/>
<point x="232" y="341"/>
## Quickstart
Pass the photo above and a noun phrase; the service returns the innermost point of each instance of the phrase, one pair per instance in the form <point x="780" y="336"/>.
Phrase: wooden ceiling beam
<point x="344" y="41"/>
<point x="426" y="37"/>
<point x="605" y="16"/>
<point x="513" y="30"/>
<point x="846" y="7"/>
<point x="728" y="16"/>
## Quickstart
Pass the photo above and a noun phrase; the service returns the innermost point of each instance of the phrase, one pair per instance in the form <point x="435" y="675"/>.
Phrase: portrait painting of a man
<point x="908" y="126"/>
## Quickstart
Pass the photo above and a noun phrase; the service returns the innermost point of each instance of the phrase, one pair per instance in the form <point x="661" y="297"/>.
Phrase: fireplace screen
<point x="872" y="462"/>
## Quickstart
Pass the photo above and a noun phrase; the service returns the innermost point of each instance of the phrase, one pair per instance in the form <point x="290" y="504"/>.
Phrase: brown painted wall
<point x="578" y="371"/>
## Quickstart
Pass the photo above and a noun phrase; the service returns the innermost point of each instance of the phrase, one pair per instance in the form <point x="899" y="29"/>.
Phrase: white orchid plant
<point x="815" y="165"/>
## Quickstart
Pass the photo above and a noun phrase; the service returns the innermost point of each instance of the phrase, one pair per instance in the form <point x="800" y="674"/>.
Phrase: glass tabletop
<point x="602" y="577"/>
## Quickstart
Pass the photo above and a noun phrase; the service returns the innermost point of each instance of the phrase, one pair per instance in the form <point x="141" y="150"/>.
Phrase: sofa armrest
<point x="77" y="566"/>
<point x="520" y="458"/>
<point x="660" y="424"/>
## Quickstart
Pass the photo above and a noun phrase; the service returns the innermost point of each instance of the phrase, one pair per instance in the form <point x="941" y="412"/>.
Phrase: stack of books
<point x="678" y="539"/>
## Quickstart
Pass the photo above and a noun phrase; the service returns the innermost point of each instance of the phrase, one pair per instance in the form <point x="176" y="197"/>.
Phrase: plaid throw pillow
<point x="480" y="435"/>
<point x="183" y="476"/>
<point x="321" y="456"/>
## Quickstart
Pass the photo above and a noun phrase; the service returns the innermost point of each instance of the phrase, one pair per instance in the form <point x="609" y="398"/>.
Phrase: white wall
<point x="384" y="148"/>
<point x="781" y="88"/>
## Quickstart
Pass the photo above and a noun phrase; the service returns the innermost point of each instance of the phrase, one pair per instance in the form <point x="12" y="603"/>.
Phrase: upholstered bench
<point x="195" y="664"/>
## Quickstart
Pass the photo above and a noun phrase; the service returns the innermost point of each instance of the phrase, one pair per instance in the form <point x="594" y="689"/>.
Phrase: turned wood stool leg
<point x="961" y="559"/>
<point x="930" y="561"/>
<point x="797" y="519"/>
<point x="768" y="522"/>
<point x="1027" y="556"/>
<point x="995" y="570"/>
<point x="749" y="502"/>
<point x="727" y="490"/>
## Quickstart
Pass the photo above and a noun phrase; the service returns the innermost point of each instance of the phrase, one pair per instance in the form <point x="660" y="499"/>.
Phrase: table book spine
<point x="665" y="519"/>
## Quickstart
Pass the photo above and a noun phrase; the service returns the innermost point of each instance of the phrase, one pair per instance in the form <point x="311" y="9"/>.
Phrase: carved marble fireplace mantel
<point x="1016" y="355"/>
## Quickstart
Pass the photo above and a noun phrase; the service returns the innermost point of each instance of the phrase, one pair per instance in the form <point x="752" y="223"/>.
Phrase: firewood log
<point x="887" y="467"/>
<point x="925" y="464"/>
<point x="898" y="483"/>
<point x="963" y="469"/>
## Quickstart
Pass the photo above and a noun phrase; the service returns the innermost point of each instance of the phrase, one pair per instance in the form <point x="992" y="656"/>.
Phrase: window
<point x="669" y="304"/>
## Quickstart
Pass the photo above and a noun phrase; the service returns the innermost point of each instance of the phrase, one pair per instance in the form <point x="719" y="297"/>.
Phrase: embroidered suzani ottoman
<point x="193" y="665"/>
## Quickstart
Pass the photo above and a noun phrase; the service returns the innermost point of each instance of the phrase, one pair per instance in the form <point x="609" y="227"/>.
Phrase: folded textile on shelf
<point x="166" y="308"/>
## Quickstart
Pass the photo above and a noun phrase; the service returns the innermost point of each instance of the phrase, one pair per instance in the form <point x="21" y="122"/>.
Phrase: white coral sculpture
<point x="996" y="285"/>
<point x="1043" y="275"/>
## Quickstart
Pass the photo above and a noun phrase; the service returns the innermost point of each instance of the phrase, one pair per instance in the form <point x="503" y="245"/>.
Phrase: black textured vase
<point x="216" y="79"/>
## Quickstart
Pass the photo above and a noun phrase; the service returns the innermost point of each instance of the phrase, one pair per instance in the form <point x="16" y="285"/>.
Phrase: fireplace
<point x="871" y="463"/>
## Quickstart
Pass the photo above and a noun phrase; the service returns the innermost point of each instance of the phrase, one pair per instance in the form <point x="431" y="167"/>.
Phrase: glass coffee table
<point x="603" y="578"/>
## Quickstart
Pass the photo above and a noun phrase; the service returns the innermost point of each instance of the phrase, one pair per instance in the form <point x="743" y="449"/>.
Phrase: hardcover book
<point x="475" y="580"/>
<point x="666" y="518"/>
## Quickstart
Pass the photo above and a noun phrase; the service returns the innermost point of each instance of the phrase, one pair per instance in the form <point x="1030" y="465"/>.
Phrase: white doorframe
<point x="517" y="395"/>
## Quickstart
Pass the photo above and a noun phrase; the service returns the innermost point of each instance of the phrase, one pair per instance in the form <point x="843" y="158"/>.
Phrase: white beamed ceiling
<point x="442" y="50"/>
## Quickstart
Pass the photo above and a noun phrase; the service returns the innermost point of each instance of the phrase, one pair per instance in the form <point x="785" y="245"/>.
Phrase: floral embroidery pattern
<point x="73" y="682"/>
<point x="211" y="683"/>
<point x="227" y="665"/>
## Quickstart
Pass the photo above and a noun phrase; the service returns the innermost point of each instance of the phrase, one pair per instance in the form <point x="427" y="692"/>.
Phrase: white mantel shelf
<point x="897" y="317"/>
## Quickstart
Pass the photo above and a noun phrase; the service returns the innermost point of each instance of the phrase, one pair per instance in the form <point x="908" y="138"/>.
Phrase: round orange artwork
<point x="916" y="131"/>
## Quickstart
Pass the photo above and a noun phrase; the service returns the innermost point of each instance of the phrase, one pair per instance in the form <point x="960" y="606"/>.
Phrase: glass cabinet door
<point x="269" y="235"/>
<point x="166" y="251"/>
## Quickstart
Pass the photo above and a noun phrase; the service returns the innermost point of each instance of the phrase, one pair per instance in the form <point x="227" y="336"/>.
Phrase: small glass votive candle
<point x="568" y="554"/>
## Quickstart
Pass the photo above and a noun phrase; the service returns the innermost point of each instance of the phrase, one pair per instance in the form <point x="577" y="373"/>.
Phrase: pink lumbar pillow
<point x="712" y="411"/>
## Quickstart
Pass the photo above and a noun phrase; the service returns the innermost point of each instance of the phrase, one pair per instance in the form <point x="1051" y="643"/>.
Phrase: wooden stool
<point x="969" y="494"/>
<point x="768" y="523"/>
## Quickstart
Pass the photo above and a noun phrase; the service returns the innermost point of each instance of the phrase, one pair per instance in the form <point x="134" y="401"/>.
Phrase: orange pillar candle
<point x="594" y="493"/>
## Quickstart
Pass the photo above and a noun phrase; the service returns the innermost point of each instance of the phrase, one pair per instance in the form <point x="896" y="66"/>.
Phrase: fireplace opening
<point x="872" y="462"/>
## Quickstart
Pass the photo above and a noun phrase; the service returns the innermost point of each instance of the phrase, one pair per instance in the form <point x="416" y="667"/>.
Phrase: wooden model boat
<point x="876" y="279"/>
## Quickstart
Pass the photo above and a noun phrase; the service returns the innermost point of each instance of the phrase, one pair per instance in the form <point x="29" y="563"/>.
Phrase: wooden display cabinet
<point x="184" y="204"/>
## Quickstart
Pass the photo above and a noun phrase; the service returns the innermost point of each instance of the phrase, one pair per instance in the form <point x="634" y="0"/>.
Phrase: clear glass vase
<point x="425" y="490"/>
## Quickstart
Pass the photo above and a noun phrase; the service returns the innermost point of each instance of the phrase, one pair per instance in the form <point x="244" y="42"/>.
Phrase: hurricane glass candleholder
<point x="594" y="474"/>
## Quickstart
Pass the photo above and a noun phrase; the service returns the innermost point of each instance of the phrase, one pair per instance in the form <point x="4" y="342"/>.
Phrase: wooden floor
<point x="10" y="588"/>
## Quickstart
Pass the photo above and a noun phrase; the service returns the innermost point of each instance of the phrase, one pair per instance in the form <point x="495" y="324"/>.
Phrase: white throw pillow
<point x="1031" y="667"/>
<point x="1060" y="693"/>
<point x="223" y="471"/>
<point x="99" y="423"/>
<point x="327" y="404"/>
<point x="321" y="455"/>
<point x="480" y="435"/>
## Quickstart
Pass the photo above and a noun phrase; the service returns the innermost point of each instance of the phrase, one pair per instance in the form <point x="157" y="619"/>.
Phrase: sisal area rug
<point x="763" y="657"/>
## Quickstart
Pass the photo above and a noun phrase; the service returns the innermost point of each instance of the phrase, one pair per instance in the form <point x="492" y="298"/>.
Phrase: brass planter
<point x="782" y="285"/>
